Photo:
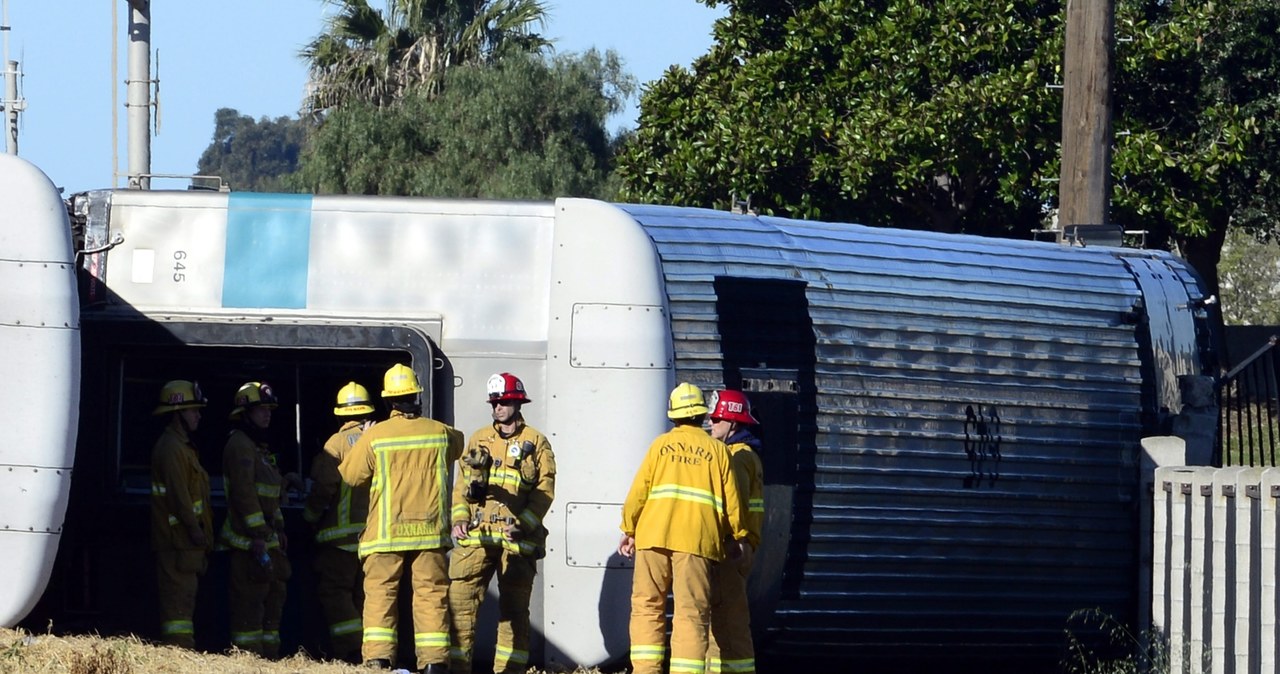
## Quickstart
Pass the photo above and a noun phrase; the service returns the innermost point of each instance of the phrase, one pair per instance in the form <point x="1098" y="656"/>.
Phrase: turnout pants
<point x="429" y="578"/>
<point x="470" y="570"/>
<point x="730" y="649"/>
<point x="340" y="591"/>
<point x="688" y="578"/>
<point x="257" y="601"/>
<point x="177" y="579"/>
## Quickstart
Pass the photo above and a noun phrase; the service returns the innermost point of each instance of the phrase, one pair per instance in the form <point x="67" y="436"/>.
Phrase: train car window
<point x="305" y="370"/>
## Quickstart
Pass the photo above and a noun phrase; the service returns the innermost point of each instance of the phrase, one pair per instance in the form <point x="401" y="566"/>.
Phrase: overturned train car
<point x="40" y="337"/>
<point x="951" y="423"/>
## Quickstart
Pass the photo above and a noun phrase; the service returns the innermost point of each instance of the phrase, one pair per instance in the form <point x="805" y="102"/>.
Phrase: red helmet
<point x="506" y="387"/>
<point x="731" y="406"/>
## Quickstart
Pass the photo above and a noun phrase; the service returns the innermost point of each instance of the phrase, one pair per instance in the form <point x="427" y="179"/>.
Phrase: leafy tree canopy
<point x="930" y="115"/>
<point x="525" y="127"/>
<point x="377" y="57"/>
<point x="253" y="155"/>
<point x="940" y="116"/>
<point x="1198" y="102"/>
<point x="1250" y="275"/>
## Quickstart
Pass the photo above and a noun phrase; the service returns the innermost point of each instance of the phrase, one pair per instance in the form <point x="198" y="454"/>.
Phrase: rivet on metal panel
<point x="1229" y="490"/>
<point x="1275" y="491"/>
<point x="1253" y="490"/>
<point x="1167" y="486"/>
<point x="1206" y="490"/>
<point x="1185" y="488"/>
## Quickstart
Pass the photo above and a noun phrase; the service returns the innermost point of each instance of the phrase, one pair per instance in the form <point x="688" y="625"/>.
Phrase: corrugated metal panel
<point x="913" y="533"/>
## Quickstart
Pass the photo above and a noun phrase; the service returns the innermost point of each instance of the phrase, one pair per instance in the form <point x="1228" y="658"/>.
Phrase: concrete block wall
<point x="1214" y="567"/>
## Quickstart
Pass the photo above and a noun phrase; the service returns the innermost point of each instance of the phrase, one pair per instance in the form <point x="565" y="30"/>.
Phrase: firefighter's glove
<point x="478" y="462"/>
<point x="477" y="459"/>
<point x="197" y="537"/>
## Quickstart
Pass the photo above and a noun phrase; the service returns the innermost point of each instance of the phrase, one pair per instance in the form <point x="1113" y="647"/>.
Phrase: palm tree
<point x="375" y="57"/>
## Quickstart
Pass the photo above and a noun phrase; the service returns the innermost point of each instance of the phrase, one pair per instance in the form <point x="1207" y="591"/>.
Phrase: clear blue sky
<point x="242" y="54"/>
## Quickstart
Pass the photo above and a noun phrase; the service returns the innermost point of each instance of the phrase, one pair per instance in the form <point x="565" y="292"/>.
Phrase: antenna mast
<point x="12" y="104"/>
<point x="138" y="94"/>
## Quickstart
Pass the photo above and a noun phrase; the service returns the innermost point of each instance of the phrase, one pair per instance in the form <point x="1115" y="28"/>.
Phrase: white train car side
<point x="200" y="284"/>
<point x="951" y="423"/>
<point x="39" y="336"/>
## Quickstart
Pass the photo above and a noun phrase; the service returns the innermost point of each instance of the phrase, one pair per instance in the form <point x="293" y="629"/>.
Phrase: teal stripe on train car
<point x="268" y="251"/>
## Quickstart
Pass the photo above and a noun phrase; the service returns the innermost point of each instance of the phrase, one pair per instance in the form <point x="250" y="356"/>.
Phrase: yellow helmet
<point x="180" y="394"/>
<point x="253" y="394"/>
<point x="353" y="401"/>
<point x="686" y="402"/>
<point x="400" y="381"/>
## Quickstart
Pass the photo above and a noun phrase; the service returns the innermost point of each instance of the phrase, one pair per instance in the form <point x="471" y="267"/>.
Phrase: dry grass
<point x="27" y="653"/>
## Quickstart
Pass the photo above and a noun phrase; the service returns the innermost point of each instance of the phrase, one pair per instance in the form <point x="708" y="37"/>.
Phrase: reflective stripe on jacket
<point x="684" y="497"/>
<point x="405" y="460"/>
<point x="522" y="486"/>
<point x="336" y="508"/>
<point x="254" y="487"/>
<point x="179" y="492"/>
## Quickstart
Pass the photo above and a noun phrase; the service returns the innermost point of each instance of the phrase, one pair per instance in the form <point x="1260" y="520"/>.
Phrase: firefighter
<point x="683" y="514"/>
<point x="181" y="519"/>
<point x="730" y="648"/>
<point x="254" y="528"/>
<point x="336" y="511"/>
<point x="506" y="482"/>
<point x="407" y="459"/>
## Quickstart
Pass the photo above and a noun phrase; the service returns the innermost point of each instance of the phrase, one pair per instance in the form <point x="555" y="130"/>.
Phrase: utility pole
<point x="11" y="104"/>
<point x="138" y="94"/>
<point x="1084" y="188"/>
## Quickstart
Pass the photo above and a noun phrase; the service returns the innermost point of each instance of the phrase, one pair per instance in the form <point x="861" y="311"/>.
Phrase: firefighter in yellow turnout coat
<point x="254" y="528"/>
<point x="506" y="482"/>
<point x="181" y="521"/>
<point x="683" y="510"/>
<point x="405" y="459"/>
<point x="336" y="511"/>
<point x="731" y="649"/>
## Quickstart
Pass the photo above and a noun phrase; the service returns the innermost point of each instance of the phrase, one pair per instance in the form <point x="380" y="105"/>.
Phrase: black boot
<point x="437" y="668"/>
<point x="378" y="663"/>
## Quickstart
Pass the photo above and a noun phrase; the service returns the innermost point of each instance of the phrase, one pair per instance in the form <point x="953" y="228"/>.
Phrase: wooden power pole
<point x="1084" y="190"/>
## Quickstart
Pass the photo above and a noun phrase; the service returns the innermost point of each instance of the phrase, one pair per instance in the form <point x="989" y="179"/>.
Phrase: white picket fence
<point x="1214" y="567"/>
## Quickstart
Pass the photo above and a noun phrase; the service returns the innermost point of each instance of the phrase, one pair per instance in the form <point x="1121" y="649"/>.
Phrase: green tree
<point x="893" y="112"/>
<point x="1250" y="277"/>
<point x="526" y="127"/>
<point x="939" y="116"/>
<point x="377" y="57"/>
<point x="250" y="155"/>
<point x="1198" y="107"/>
